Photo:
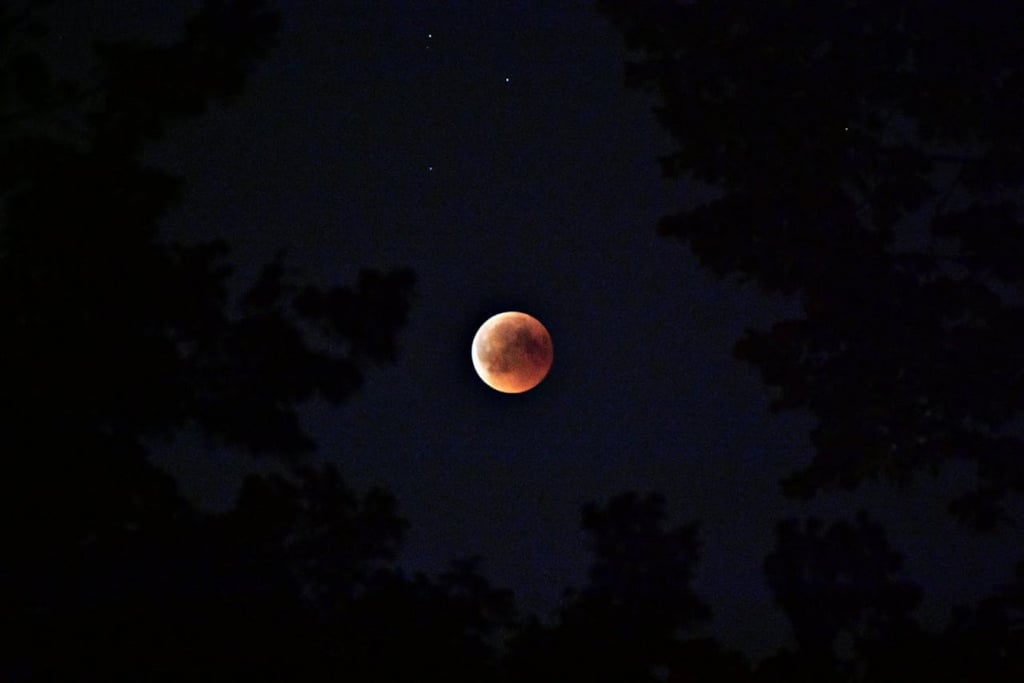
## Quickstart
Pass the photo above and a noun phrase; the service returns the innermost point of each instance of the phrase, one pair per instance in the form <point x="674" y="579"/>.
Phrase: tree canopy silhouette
<point x="867" y="159"/>
<point x="114" y="334"/>
<point x="635" y="618"/>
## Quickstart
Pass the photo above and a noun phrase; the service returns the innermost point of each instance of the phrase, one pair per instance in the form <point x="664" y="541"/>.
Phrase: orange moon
<point x="512" y="352"/>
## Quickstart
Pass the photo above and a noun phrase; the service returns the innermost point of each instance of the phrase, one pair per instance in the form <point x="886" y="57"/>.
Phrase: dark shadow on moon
<point x="511" y="346"/>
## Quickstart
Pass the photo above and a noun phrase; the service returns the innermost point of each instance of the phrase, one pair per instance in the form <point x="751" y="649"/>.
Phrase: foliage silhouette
<point x="866" y="159"/>
<point x="836" y="585"/>
<point x="853" y="615"/>
<point x="629" y="623"/>
<point x="114" y="335"/>
<point x="838" y="581"/>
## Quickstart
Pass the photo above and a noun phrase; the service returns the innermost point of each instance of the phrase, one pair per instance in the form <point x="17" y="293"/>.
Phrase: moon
<point x="512" y="352"/>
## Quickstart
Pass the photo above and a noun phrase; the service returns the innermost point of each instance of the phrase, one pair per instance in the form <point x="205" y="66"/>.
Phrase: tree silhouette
<point x="865" y="159"/>
<point x="629" y="623"/>
<point x="839" y="581"/>
<point x="114" y="336"/>
<point x="401" y="627"/>
<point x="836" y="585"/>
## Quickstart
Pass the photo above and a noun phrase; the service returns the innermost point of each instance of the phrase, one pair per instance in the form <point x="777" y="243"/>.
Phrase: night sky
<point x="492" y="148"/>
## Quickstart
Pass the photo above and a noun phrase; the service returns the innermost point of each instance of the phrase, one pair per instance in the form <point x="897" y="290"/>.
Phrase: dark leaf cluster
<point x="869" y="159"/>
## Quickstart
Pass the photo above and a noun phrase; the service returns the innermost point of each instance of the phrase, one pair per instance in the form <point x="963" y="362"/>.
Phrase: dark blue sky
<point x="493" y="148"/>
